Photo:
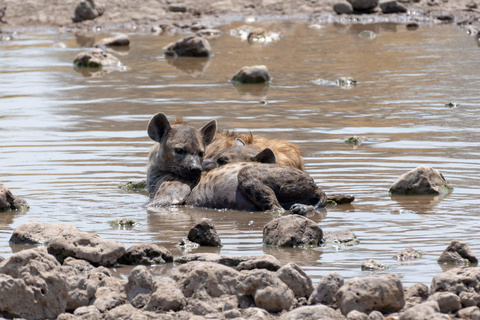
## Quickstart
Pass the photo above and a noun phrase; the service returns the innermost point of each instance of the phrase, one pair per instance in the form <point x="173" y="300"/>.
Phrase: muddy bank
<point x="35" y="14"/>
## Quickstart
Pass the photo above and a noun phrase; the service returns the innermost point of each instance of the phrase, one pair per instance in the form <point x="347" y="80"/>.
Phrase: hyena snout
<point x="209" y="164"/>
<point x="192" y="167"/>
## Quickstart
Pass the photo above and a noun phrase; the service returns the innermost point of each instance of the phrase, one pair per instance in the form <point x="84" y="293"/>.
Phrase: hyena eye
<point x="180" y="151"/>
<point x="200" y="154"/>
<point x="222" y="161"/>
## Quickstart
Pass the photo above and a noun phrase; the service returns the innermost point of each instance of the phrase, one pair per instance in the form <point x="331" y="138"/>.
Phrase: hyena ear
<point x="158" y="127"/>
<point x="239" y="142"/>
<point x="265" y="156"/>
<point x="208" y="132"/>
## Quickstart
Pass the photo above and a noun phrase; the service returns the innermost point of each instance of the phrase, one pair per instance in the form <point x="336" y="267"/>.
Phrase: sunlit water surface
<point x="69" y="141"/>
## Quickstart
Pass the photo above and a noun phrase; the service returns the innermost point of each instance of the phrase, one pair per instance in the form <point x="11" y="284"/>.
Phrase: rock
<point x="424" y="311"/>
<point x="32" y="286"/>
<point x="456" y="281"/>
<point x="471" y="5"/>
<point x="139" y="287"/>
<point x="416" y="294"/>
<point x="85" y="38"/>
<point x="267" y="290"/>
<point x="139" y="185"/>
<point x="91" y="311"/>
<point x="383" y="293"/>
<point x="205" y="234"/>
<point x="326" y="290"/>
<point x="123" y="223"/>
<point x="120" y="40"/>
<point x="412" y="26"/>
<point x="167" y="296"/>
<point x="421" y="180"/>
<point x="363" y="5"/>
<point x="80" y="291"/>
<point x="82" y="266"/>
<point x="9" y="202"/>
<point x="346" y="82"/>
<point x="292" y="231"/>
<point x="342" y="8"/>
<point x="408" y="254"/>
<point x="340" y="198"/>
<point x="373" y="265"/>
<point x="191" y="46"/>
<point x="296" y="279"/>
<point x="146" y="254"/>
<point x="457" y="253"/>
<point x="254" y="313"/>
<point x="205" y="279"/>
<point x="376" y="315"/>
<point x="342" y="236"/>
<point x="266" y="262"/>
<point x="87" y="246"/>
<point x="447" y="301"/>
<point x="128" y="312"/>
<point x="231" y="261"/>
<point x="96" y="58"/>
<point x="209" y="33"/>
<point x="470" y="313"/>
<point x="357" y="315"/>
<point x="252" y="75"/>
<point x="392" y="7"/>
<point x="106" y="299"/>
<point x="41" y="233"/>
<point x="469" y="299"/>
<point x="318" y="312"/>
<point x="87" y="10"/>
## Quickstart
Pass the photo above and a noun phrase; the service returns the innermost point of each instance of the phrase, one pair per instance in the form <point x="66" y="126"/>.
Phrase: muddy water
<point x="68" y="141"/>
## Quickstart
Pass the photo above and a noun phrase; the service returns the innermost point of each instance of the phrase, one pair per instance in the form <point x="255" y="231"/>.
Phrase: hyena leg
<point x="170" y="193"/>
<point x="261" y="195"/>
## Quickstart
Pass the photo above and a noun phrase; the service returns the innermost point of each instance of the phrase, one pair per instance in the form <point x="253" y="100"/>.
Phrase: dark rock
<point x="39" y="232"/>
<point x="411" y="26"/>
<point x="342" y="236"/>
<point x="177" y="8"/>
<point x="373" y="265"/>
<point x="326" y="290"/>
<point x="457" y="253"/>
<point x="120" y="40"/>
<point x="267" y="262"/>
<point x="96" y="58"/>
<point x="447" y="301"/>
<point x="392" y="7"/>
<point x="421" y="180"/>
<point x="408" y="254"/>
<point x="340" y="198"/>
<point x="87" y="246"/>
<point x="296" y="279"/>
<point x="252" y="75"/>
<point x="87" y="10"/>
<point x="205" y="234"/>
<point x="363" y="5"/>
<point x="292" y="231"/>
<point x="9" y="202"/>
<point x="192" y="46"/>
<point x="446" y="17"/>
<point x="267" y="290"/>
<point x="146" y="254"/>
<point x="383" y="293"/>
<point x="342" y="8"/>
<point x="32" y="286"/>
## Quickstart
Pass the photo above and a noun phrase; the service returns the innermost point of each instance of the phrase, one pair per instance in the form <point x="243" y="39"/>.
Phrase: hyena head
<point x="179" y="149"/>
<point x="239" y="153"/>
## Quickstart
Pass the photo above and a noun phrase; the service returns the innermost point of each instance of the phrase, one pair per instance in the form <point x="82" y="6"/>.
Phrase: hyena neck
<point x="156" y="176"/>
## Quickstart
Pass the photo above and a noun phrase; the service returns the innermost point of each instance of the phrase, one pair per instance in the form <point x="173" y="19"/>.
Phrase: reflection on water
<point x="68" y="141"/>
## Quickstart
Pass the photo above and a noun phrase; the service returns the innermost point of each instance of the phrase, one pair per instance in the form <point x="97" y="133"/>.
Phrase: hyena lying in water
<point x="256" y="183"/>
<point x="173" y="171"/>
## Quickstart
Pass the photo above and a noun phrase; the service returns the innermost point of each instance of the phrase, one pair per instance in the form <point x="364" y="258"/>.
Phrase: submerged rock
<point x="267" y="262"/>
<point x="204" y="233"/>
<point x="123" y="223"/>
<point x="120" y="40"/>
<point x="139" y="185"/>
<point x="96" y="58"/>
<point x="292" y="231"/>
<point x="383" y="293"/>
<point x="458" y="253"/>
<point x="420" y="181"/>
<point x="192" y="46"/>
<point x="342" y="236"/>
<point x="373" y="265"/>
<point x="8" y="201"/>
<point x="408" y="254"/>
<point x="39" y="232"/>
<point x="367" y="34"/>
<point x="252" y="75"/>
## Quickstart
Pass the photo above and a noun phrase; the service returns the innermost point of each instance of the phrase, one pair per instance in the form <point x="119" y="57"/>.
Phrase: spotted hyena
<point x="256" y="186"/>
<point x="286" y="153"/>
<point x="175" y="161"/>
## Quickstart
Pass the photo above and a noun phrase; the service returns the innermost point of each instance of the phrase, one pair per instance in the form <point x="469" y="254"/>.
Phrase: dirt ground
<point x="129" y="14"/>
